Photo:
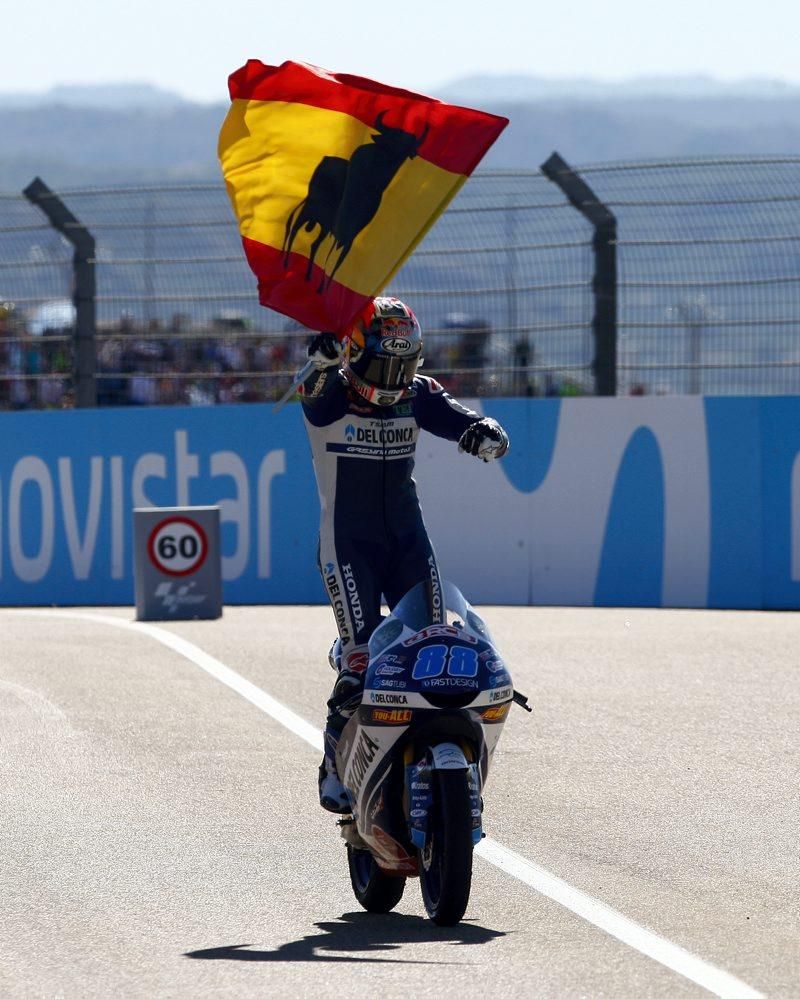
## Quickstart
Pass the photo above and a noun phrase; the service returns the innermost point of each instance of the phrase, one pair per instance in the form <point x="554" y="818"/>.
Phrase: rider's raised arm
<point x="322" y="393"/>
<point x="438" y="412"/>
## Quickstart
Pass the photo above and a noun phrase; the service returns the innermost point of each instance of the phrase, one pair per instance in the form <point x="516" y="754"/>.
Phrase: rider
<point x="364" y="405"/>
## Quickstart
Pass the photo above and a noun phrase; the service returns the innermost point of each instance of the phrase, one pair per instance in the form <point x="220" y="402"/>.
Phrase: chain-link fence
<point x="708" y="293"/>
<point x="36" y="314"/>
<point x="709" y="274"/>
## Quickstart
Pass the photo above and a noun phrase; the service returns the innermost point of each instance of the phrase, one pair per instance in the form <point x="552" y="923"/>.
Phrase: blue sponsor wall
<point x="69" y="482"/>
<point x="678" y="501"/>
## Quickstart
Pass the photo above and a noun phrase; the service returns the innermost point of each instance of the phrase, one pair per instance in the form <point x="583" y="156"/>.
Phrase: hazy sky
<point x="192" y="46"/>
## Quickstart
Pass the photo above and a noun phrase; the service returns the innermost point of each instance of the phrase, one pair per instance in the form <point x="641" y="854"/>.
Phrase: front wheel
<point x="445" y="867"/>
<point x="375" y="890"/>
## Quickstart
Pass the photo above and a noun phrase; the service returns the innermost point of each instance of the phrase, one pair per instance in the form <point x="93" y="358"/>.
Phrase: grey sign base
<point x="177" y="563"/>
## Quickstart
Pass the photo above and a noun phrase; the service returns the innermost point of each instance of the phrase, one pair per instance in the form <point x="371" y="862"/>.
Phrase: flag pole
<point x="298" y="380"/>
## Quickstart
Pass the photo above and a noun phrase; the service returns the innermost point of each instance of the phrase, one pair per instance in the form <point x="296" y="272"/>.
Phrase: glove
<point x="325" y="351"/>
<point x="485" y="439"/>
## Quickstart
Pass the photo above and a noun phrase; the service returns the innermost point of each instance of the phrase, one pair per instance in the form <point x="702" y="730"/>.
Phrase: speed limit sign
<point x="177" y="563"/>
<point x="177" y="546"/>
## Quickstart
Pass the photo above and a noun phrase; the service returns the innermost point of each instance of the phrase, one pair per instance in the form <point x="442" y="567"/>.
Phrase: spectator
<point x="470" y="352"/>
<point x="112" y="388"/>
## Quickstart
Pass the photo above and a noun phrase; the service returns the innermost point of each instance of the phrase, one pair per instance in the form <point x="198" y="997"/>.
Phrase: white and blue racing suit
<point x="372" y="537"/>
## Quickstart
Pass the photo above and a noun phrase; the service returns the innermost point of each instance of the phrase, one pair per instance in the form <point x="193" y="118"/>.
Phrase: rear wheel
<point x="375" y="890"/>
<point x="445" y="865"/>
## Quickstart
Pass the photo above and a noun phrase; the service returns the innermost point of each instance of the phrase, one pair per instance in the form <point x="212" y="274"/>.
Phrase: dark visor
<point x="390" y="372"/>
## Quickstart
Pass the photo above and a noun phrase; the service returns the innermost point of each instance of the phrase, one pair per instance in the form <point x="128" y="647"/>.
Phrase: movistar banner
<point x="69" y="482"/>
<point x="674" y="501"/>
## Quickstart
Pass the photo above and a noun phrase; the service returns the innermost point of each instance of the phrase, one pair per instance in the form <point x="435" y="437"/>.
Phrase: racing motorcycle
<point x="415" y="756"/>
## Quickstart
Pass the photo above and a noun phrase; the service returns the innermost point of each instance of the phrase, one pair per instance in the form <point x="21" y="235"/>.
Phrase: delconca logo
<point x="349" y="432"/>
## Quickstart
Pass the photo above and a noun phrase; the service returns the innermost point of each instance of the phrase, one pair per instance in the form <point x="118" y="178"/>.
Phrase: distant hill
<point x="87" y="146"/>
<point x="110" y="96"/>
<point x="659" y="128"/>
<point x="134" y="133"/>
<point x="517" y="88"/>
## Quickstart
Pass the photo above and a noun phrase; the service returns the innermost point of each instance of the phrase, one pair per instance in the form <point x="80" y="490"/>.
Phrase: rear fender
<point x="448" y="756"/>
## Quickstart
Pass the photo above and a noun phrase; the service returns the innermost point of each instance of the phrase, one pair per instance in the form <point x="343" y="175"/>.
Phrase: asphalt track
<point x="161" y="837"/>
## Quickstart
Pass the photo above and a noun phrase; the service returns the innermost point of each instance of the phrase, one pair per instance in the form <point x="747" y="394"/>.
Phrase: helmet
<point x="382" y="351"/>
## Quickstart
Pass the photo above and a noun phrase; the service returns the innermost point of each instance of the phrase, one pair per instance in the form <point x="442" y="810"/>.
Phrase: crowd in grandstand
<point x="140" y="364"/>
<point x="225" y="361"/>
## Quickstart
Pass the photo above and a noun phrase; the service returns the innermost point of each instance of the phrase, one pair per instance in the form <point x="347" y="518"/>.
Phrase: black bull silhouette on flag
<point x="344" y="195"/>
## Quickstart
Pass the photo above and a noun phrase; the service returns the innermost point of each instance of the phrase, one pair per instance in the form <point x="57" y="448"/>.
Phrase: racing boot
<point x="335" y="656"/>
<point x="343" y="702"/>
<point x="332" y="795"/>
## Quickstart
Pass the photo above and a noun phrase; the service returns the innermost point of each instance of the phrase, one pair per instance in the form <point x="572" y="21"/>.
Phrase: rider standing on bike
<point x="364" y="405"/>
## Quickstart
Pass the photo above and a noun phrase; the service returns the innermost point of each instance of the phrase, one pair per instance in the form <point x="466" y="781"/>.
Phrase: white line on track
<point x="668" y="954"/>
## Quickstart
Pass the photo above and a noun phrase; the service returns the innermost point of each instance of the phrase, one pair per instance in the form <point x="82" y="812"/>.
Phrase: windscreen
<point x="413" y="611"/>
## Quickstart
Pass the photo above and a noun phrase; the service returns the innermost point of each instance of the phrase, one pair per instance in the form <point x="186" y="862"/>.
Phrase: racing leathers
<point x="372" y="537"/>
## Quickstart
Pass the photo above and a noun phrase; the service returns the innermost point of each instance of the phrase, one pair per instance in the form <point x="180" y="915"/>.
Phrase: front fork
<point x="419" y="789"/>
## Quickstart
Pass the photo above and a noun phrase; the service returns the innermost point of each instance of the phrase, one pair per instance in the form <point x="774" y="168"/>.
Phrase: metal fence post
<point x="604" y="285"/>
<point x="84" y="286"/>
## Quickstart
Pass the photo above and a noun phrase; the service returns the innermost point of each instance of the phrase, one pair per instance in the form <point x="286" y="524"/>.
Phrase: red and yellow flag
<point x="334" y="180"/>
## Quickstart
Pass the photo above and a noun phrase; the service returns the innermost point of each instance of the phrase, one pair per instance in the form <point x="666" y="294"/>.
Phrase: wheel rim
<point x="446" y="859"/>
<point x="362" y="863"/>
<point x="431" y="874"/>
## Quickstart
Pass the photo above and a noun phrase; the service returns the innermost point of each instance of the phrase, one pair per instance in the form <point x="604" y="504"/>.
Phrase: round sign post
<point x="177" y="563"/>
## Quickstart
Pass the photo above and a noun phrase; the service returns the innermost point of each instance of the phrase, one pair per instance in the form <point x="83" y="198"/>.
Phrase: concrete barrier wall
<point x="673" y="501"/>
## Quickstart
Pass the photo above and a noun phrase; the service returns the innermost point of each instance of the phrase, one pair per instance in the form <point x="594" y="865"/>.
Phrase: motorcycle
<point x="414" y="758"/>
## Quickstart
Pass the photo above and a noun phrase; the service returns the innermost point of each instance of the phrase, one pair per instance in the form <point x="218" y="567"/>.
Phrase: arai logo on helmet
<point x="397" y="345"/>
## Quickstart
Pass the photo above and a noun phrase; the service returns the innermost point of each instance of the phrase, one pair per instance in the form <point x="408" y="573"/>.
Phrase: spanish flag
<point x="335" y="179"/>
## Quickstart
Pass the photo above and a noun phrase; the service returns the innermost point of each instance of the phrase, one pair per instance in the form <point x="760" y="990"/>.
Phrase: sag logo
<point x="349" y="432"/>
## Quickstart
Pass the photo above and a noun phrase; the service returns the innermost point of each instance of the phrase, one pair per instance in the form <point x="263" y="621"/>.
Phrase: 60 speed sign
<point x="177" y="546"/>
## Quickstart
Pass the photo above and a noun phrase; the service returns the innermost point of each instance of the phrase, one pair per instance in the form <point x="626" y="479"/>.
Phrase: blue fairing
<point x="409" y="653"/>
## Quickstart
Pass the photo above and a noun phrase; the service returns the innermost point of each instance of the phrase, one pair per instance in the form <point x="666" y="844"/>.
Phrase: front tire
<point x="445" y="865"/>
<point x="375" y="890"/>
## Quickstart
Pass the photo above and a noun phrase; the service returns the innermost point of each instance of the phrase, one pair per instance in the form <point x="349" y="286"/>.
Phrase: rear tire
<point x="375" y="890"/>
<point x="445" y="865"/>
